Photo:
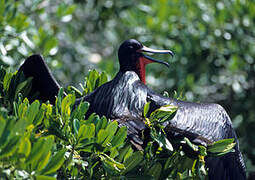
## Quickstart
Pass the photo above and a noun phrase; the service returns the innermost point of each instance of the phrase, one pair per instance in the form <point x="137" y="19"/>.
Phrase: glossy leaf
<point x="161" y="140"/>
<point x="222" y="146"/>
<point x="146" y="109"/>
<point x="55" y="163"/>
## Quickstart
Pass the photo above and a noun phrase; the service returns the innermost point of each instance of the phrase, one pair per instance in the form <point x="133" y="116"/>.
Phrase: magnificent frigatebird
<point x="123" y="98"/>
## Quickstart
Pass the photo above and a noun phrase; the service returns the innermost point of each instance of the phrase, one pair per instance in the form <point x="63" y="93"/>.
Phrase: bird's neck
<point x="127" y="75"/>
<point x="141" y="71"/>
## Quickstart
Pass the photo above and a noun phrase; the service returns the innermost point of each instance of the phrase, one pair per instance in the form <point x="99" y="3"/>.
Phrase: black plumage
<point x="124" y="97"/>
<point x="43" y="81"/>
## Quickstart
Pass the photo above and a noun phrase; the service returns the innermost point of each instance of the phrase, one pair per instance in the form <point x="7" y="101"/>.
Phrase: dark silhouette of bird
<point x="123" y="99"/>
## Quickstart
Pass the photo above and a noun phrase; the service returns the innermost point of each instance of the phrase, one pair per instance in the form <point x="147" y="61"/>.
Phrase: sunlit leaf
<point x="222" y="146"/>
<point x="55" y="163"/>
<point x="146" y="109"/>
<point x="86" y="131"/>
<point x="111" y="162"/>
<point x="25" y="147"/>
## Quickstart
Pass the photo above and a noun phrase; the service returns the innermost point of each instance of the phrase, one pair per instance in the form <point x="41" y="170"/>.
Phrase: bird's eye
<point x="130" y="47"/>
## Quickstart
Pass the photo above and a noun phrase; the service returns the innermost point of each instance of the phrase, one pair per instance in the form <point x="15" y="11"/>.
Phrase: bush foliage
<point x="44" y="141"/>
<point x="212" y="40"/>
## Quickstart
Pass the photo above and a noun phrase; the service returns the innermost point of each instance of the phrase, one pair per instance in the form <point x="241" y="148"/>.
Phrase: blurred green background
<point x="213" y="42"/>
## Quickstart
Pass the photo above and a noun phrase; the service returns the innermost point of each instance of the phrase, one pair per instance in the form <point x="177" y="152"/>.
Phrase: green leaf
<point x="55" y="163"/>
<point x="32" y="111"/>
<point x="192" y="146"/>
<point x="7" y="80"/>
<point x="222" y="146"/>
<point x="39" y="149"/>
<point x="48" y="108"/>
<point x="2" y="5"/>
<point x="41" y="177"/>
<point x="110" y="162"/>
<point x="24" y="87"/>
<point x="40" y="115"/>
<point x="167" y="108"/>
<point x="101" y="136"/>
<point x="25" y="147"/>
<point x="114" y="152"/>
<point x="10" y="147"/>
<point x="91" y="81"/>
<point x="88" y="147"/>
<point x="103" y="78"/>
<point x="124" y="153"/>
<point x="110" y="131"/>
<point x="22" y="109"/>
<point x="132" y="161"/>
<point x="161" y="139"/>
<point x="82" y="109"/>
<point x="76" y="126"/>
<point x="86" y="131"/>
<point x="163" y="113"/>
<point x="146" y="108"/>
<point x="77" y="92"/>
<point x="8" y="131"/>
<point x="43" y="161"/>
<point x="120" y="137"/>
<point x="202" y="150"/>
<point x="66" y="104"/>
<point x="155" y="170"/>
<point x="101" y="123"/>
<point x="2" y="127"/>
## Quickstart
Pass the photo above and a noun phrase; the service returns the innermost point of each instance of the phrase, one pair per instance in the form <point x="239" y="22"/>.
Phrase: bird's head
<point x="132" y="57"/>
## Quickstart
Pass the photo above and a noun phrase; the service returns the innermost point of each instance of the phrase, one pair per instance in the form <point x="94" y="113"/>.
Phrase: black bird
<point x="123" y="98"/>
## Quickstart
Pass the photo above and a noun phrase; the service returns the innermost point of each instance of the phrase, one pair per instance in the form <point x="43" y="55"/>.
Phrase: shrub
<point x="44" y="141"/>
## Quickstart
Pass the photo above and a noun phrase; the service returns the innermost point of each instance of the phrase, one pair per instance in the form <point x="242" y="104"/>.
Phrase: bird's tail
<point x="43" y="82"/>
<point x="227" y="167"/>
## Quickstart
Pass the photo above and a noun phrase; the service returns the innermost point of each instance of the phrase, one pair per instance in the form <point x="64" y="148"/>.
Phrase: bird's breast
<point x="123" y="97"/>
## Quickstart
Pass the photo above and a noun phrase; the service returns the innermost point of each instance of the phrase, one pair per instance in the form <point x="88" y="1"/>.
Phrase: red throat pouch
<point x="141" y="68"/>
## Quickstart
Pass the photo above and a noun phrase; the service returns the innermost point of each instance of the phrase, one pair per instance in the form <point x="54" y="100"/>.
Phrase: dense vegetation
<point x="212" y="40"/>
<point x="42" y="141"/>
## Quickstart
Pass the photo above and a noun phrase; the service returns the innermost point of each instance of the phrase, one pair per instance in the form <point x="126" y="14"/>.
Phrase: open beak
<point x="149" y="59"/>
